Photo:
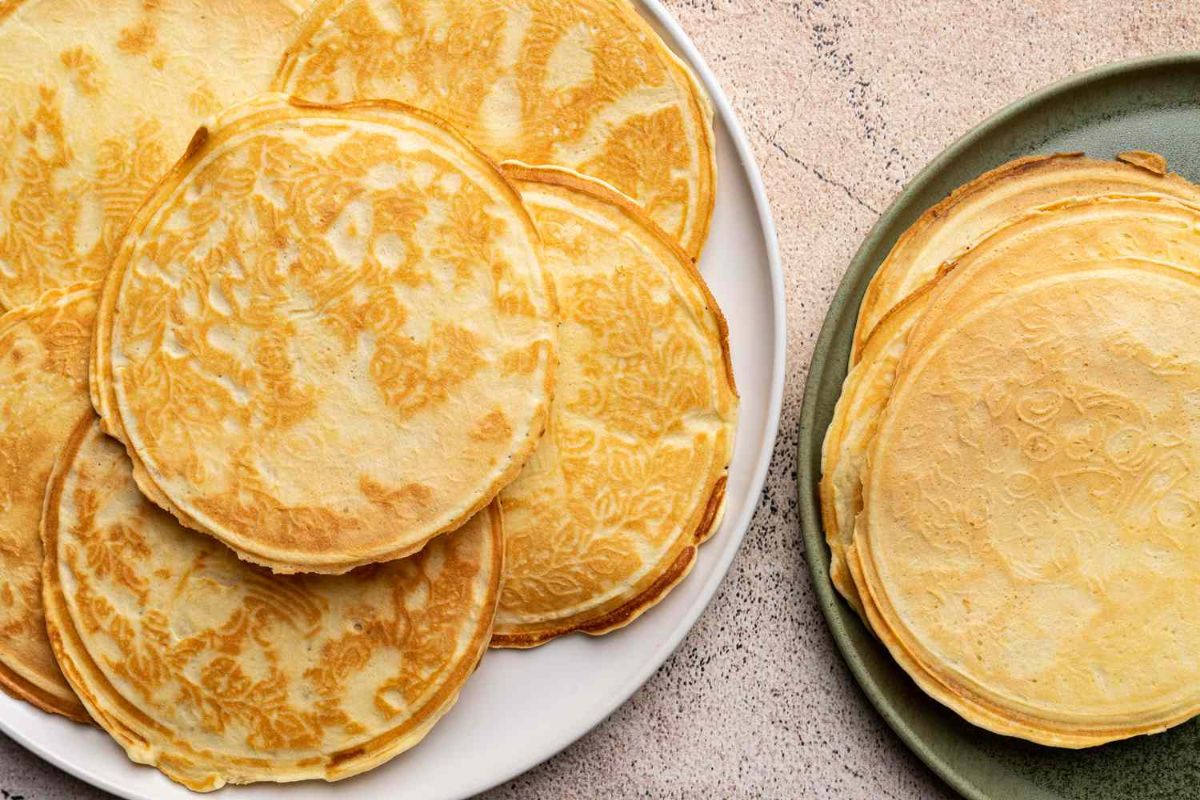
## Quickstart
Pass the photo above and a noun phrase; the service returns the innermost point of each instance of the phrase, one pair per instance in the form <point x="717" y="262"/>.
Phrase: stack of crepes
<point x="1011" y="480"/>
<point x="313" y="387"/>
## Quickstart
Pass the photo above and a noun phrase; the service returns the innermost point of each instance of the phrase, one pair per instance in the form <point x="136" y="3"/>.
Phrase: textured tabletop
<point x="844" y="102"/>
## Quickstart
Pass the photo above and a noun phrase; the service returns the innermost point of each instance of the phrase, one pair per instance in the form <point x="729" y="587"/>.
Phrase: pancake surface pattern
<point x="630" y="476"/>
<point x="217" y="671"/>
<point x="1029" y="538"/>
<point x="585" y="84"/>
<point x="328" y="338"/>
<point x="43" y="393"/>
<point x="97" y="99"/>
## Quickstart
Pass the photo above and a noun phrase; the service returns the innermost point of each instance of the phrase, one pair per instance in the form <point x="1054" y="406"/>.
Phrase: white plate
<point x="521" y="708"/>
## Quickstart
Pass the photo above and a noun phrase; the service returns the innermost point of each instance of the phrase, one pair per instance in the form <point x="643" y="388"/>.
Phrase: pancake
<point x="630" y="477"/>
<point x="216" y="671"/>
<point x="586" y="85"/>
<point x="1028" y="540"/>
<point x="994" y="199"/>
<point x="327" y="337"/>
<point x="855" y="417"/>
<point x="43" y="368"/>
<point x="1060" y="236"/>
<point x="97" y="100"/>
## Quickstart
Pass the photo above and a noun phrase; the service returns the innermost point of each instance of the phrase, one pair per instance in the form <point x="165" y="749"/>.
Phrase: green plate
<point x="1150" y="104"/>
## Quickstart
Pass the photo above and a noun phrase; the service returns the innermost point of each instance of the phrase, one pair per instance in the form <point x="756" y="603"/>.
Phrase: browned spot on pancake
<point x="524" y="361"/>
<point x="408" y="501"/>
<point x="137" y="39"/>
<point x="517" y="303"/>
<point x="492" y="427"/>
<point x="83" y="66"/>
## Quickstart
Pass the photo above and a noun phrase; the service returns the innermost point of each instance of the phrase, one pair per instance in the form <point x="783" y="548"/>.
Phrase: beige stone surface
<point x="844" y="101"/>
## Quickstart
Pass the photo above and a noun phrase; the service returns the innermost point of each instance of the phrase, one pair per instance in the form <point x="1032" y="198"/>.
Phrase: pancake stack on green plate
<point x="1009" y="490"/>
<point x="364" y="400"/>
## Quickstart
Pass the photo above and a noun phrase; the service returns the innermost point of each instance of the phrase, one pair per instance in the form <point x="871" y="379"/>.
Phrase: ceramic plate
<point x="1151" y="104"/>
<point x="523" y="707"/>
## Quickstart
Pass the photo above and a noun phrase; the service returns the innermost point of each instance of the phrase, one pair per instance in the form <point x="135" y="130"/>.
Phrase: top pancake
<point x="585" y="84"/>
<point x="216" y="671"/>
<point x="1055" y="237"/>
<point x="1028" y="540"/>
<point x="97" y="100"/>
<point x="327" y="337"/>
<point x="992" y="200"/>
<point x="43" y="393"/>
<point x="630" y="476"/>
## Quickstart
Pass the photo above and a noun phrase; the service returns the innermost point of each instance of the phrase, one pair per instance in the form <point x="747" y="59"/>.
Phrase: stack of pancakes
<point x="337" y="347"/>
<point x="1011" y="480"/>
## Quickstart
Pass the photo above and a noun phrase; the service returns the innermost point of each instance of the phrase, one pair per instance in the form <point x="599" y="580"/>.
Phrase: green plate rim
<point x="810" y="439"/>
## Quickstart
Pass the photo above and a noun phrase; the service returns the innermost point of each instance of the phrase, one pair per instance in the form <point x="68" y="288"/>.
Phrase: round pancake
<point x="1060" y="236"/>
<point x="43" y="368"/>
<point x="630" y="477"/>
<point x="97" y="100"/>
<point x="994" y="199"/>
<point x="327" y="337"/>
<point x="216" y="671"/>
<point x="586" y="85"/>
<point x="1028" y="540"/>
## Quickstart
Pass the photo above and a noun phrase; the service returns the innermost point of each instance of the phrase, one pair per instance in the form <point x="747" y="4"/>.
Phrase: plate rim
<point x="681" y="43"/>
<point x="811" y="530"/>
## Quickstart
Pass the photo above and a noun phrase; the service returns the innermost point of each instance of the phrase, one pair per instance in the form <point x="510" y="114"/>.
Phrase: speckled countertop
<point x="844" y="100"/>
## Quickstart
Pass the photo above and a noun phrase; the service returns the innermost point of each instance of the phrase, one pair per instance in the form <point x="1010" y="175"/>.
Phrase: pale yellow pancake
<point x="97" y="100"/>
<point x="991" y="201"/>
<point x="1062" y="235"/>
<point x="327" y="337"/>
<point x="1028" y="545"/>
<point x="630" y="477"/>
<point x="864" y="394"/>
<point x="1055" y="237"/>
<point x="216" y="671"/>
<point x="43" y="393"/>
<point x="585" y="84"/>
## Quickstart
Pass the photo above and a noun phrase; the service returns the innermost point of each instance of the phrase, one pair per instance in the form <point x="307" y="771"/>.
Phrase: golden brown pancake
<point x="327" y="337"/>
<point x="216" y="671"/>
<point x="43" y="379"/>
<point x="630" y="477"/>
<point x="1028" y="544"/>
<point x="991" y="201"/>
<point x="585" y="84"/>
<point x="97" y="100"/>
